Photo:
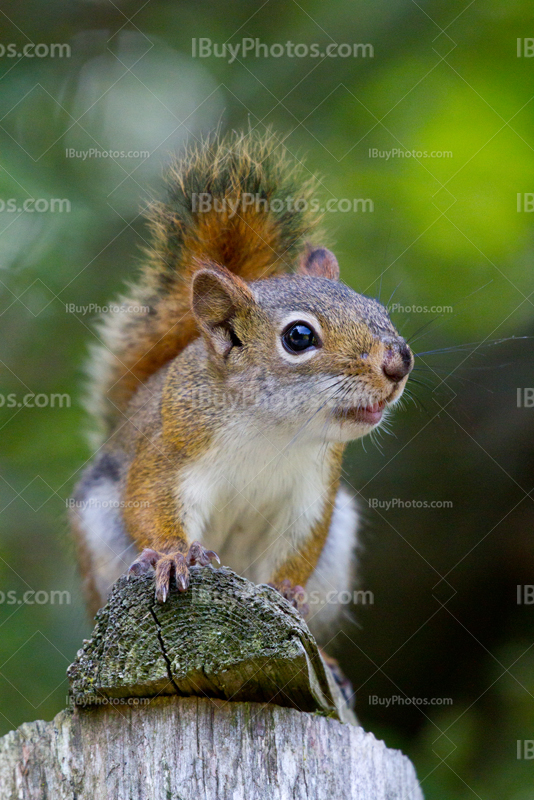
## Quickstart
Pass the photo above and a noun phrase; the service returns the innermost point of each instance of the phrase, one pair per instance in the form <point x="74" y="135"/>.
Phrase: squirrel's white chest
<point x="253" y="504"/>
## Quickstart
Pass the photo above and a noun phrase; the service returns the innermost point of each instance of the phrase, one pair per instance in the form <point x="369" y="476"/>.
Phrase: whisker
<point x="417" y="400"/>
<point x="441" y="316"/>
<point x="404" y="323"/>
<point x="393" y="292"/>
<point x="420" y="383"/>
<point x="422" y="328"/>
<point x="471" y="369"/>
<point x="462" y="347"/>
<point x="450" y="376"/>
<point x="311" y="417"/>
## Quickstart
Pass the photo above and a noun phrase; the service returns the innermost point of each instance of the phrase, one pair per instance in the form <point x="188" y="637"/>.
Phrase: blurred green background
<point x="445" y="621"/>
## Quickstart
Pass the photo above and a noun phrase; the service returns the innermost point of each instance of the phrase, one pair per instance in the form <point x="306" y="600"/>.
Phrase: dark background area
<point x="444" y="231"/>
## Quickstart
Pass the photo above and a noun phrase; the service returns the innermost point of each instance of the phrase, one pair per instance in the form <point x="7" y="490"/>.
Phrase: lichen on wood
<point x="225" y="637"/>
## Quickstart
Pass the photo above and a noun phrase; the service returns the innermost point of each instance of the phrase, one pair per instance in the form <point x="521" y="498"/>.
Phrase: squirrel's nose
<point x="398" y="362"/>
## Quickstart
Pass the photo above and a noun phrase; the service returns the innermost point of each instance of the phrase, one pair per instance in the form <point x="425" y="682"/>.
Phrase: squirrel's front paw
<point x="293" y="594"/>
<point x="169" y="565"/>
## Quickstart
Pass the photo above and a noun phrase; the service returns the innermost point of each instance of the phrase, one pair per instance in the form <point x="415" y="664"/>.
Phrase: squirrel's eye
<point x="299" y="337"/>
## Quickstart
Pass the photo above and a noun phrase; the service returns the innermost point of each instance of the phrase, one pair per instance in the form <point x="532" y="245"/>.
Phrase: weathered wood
<point x="192" y="748"/>
<point x="131" y="734"/>
<point x="225" y="637"/>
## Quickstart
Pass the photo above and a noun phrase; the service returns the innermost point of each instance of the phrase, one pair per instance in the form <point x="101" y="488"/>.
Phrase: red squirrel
<point x="227" y="395"/>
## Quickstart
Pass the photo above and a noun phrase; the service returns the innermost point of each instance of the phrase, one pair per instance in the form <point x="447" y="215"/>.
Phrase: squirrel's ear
<point x="217" y="295"/>
<point x="318" y="262"/>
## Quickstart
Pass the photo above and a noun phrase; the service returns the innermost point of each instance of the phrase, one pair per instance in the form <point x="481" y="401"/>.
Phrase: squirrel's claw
<point x="181" y="572"/>
<point x="144" y="563"/>
<point x="164" y="569"/>
<point x="294" y="594"/>
<point x="197" y="554"/>
<point x="168" y="565"/>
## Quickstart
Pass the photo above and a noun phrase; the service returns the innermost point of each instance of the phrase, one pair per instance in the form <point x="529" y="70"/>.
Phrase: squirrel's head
<point x="304" y="351"/>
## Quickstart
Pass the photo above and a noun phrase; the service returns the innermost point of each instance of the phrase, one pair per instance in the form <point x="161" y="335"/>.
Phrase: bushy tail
<point x="238" y="201"/>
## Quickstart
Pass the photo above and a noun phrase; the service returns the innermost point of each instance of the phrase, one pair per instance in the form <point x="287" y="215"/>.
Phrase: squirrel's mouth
<point x="368" y="415"/>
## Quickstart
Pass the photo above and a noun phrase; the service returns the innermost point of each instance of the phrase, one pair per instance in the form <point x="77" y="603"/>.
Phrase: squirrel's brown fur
<point x="230" y="402"/>
<point x="260" y="221"/>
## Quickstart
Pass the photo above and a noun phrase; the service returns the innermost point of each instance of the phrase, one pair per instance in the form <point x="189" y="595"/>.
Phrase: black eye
<point x="299" y="337"/>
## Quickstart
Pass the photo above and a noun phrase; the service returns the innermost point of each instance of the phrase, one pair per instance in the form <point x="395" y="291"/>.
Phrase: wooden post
<point x="220" y="694"/>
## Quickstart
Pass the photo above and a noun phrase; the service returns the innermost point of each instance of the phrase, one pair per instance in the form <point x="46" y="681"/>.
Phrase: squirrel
<point x="227" y="384"/>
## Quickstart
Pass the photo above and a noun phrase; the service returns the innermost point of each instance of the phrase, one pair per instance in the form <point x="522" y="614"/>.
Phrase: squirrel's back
<point x="238" y="201"/>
